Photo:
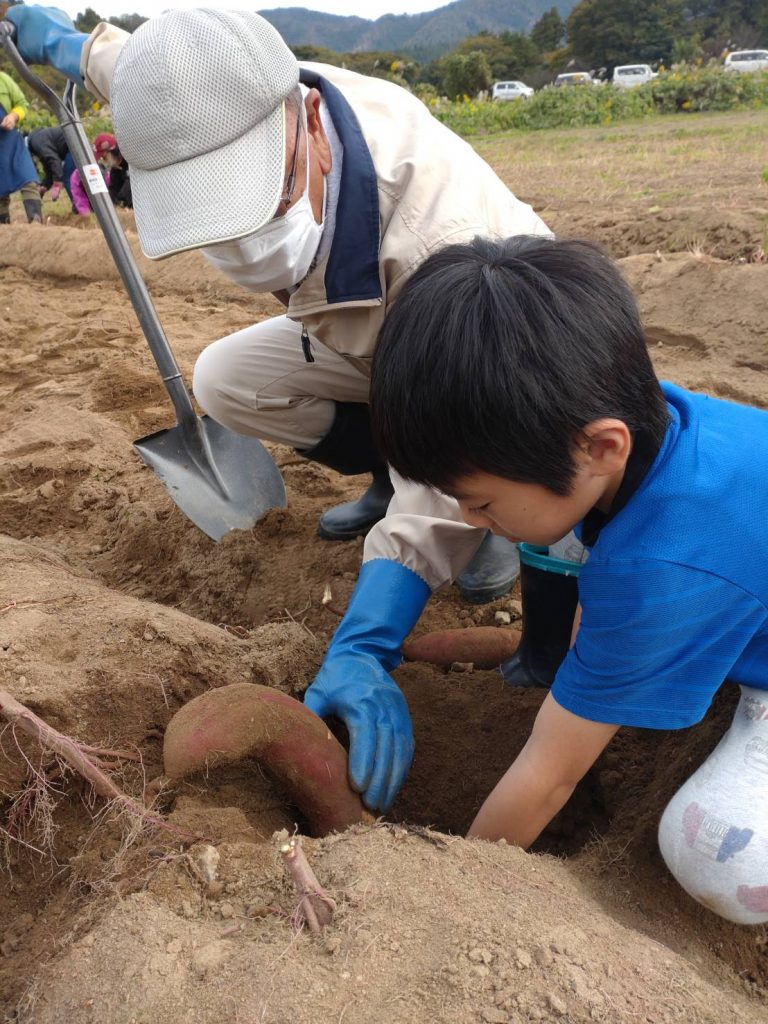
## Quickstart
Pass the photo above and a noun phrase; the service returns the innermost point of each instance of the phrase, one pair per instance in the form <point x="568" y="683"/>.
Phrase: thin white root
<point x="328" y="604"/>
<point x="315" y="907"/>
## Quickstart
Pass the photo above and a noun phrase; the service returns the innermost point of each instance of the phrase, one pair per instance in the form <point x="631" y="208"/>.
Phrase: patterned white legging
<point x="713" y="834"/>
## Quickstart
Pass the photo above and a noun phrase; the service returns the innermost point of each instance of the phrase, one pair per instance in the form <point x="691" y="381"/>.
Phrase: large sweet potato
<point x="245" y="720"/>
<point x="483" y="646"/>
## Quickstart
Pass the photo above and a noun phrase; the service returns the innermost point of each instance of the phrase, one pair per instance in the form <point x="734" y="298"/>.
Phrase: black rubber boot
<point x="349" y="449"/>
<point x="355" y="518"/>
<point x="550" y="597"/>
<point x="5" y="218"/>
<point x="492" y="571"/>
<point x="34" y="211"/>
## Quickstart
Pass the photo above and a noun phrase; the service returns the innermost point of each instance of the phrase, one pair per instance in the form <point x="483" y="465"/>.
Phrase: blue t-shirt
<point x="674" y="595"/>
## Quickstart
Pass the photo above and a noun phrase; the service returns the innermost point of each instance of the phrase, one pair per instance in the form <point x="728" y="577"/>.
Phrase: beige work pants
<point x="258" y="382"/>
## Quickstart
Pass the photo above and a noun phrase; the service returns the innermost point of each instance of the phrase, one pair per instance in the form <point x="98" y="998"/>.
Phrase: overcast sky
<point x="371" y="8"/>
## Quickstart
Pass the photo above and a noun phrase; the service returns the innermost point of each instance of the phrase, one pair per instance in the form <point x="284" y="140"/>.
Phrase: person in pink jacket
<point x="80" y="198"/>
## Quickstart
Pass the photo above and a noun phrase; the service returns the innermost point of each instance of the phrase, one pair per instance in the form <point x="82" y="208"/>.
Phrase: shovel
<point x="220" y="480"/>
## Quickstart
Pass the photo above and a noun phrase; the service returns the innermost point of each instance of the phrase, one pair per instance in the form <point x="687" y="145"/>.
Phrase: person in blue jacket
<point x="548" y="417"/>
<point x="17" y="169"/>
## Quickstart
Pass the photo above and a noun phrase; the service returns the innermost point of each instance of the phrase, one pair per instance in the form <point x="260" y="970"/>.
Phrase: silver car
<point x="511" y="91"/>
<point x="625" y="76"/>
<point x="747" y="60"/>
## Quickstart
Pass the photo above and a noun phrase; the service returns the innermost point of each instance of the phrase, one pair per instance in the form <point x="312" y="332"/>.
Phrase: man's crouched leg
<point x="258" y="382"/>
<point x="348" y="448"/>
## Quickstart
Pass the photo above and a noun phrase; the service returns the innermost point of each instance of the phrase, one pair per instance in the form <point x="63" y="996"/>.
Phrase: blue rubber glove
<point x="354" y="681"/>
<point x="46" y="35"/>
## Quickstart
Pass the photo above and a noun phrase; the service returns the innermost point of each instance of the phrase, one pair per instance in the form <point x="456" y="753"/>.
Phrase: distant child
<point x="514" y="376"/>
<point x="81" y="200"/>
<point x="107" y="152"/>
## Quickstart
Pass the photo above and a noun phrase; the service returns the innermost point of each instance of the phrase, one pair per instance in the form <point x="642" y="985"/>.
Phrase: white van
<point x="511" y="91"/>
<point x="576" y="78"/>
<point x="627" y="75"/>
<point x="747" y="60"/>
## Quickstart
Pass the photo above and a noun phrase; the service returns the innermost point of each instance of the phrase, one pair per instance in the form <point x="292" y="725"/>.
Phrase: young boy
<point x="514" y="376"/>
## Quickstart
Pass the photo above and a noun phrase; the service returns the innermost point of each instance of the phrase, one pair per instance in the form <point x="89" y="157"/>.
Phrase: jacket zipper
<point x="306" y="346"/>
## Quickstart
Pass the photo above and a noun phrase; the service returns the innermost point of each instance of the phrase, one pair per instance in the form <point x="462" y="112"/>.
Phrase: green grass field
<point x="709" y="158"/>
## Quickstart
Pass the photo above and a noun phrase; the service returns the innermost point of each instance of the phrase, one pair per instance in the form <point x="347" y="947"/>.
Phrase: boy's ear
<point x="605" y="446"/>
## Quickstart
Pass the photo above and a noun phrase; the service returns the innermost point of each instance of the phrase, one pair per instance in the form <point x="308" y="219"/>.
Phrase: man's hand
<point x="560" y="750"/>
<point x="354" y="681"/>
<point x="357" y="689"/>
<point x="10" y="121"/>
<point x="46" y="35"/>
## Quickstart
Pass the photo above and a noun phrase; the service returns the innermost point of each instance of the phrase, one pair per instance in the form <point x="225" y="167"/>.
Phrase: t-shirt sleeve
<point x="656" y="640"/>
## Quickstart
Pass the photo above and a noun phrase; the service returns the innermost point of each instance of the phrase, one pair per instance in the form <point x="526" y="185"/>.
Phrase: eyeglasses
<point x="287" y="197"/>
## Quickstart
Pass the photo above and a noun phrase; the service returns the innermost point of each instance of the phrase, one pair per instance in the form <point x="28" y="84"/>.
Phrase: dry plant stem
<point x="76" y="755"/>
<point x="315" y="905"/>
<point x="328" y="604"/>
<point x="26" y="603"/>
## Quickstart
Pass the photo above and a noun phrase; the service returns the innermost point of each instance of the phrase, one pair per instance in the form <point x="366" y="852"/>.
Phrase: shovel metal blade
<point x="220" y="480"/>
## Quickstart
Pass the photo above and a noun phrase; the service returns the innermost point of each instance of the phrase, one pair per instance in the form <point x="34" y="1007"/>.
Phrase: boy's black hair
<point x="497" y="353"/>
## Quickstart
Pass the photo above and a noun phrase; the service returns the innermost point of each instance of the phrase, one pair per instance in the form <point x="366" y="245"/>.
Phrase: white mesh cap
<point x="198" y="103"/>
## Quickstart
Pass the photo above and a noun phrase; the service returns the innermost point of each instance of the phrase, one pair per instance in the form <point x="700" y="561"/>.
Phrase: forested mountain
<point x="422" y="36"/>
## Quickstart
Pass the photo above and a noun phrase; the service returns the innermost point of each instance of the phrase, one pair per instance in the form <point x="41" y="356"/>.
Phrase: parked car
<point x="511" y="91"/>
<point x="747" y="60"/>
<point x="576" y="78"/>
<point x="627" y="75"/>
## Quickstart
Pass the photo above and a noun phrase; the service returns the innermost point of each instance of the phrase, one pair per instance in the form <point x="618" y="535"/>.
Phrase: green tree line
<point x="597" y="35"/>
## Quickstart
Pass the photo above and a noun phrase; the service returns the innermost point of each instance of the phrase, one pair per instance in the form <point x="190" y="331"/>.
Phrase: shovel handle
<point x="77" y="141"/>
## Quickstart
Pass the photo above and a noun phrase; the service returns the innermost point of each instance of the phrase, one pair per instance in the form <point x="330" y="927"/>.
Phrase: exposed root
<point x="26" y="603"/>
<point x="315" y="907"/>
<point x="30" y="819"/>
<point x="91" y="763"/>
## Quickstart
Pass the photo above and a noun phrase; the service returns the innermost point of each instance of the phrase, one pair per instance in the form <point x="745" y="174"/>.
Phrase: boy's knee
<point x="714" y="851"/>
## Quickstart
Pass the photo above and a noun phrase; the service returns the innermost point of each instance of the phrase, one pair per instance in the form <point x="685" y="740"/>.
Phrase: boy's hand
<point x="560" y="750"/>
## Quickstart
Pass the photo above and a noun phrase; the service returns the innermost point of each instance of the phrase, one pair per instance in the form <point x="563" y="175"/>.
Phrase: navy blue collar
<point x="352" y="270"/>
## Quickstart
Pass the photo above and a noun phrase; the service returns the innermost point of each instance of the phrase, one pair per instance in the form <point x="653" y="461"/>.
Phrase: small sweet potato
<point x="483" y="646"/>
<point x="245" y="720"/>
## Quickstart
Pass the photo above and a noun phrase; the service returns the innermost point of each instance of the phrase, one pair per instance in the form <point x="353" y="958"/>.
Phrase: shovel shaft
<point x="79" y="147"/>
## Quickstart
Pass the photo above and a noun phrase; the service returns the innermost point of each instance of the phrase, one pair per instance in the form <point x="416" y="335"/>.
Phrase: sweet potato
<point x="245" y="720"/>
<point x="483" y="646"/>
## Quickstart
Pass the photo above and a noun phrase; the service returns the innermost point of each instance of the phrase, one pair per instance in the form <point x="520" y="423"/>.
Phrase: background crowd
<point x="56" y="170"/>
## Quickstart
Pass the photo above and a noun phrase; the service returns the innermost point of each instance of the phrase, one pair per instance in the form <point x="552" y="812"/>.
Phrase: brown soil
<point x="115" y="610"/>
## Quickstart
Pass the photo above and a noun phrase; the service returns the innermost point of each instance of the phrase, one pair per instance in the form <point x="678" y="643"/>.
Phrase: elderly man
<point x="328" y="189"/>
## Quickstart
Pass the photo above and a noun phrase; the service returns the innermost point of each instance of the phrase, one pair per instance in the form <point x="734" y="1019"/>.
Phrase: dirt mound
<point x="75" y="254"/>
<point x="427" y="929"/>
<point x="727" y="234"/>
<point x="114" y="610"/>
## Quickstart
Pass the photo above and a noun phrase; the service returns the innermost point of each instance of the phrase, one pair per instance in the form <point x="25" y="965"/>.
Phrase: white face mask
<point x="278" y="256"/>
